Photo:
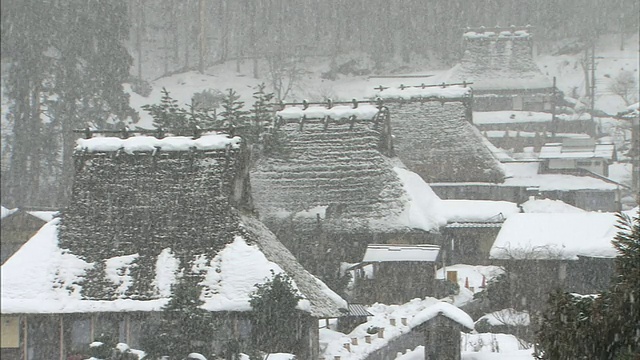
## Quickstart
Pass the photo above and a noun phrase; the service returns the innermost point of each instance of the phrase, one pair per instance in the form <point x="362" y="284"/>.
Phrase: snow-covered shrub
<point x="120" y="351"/>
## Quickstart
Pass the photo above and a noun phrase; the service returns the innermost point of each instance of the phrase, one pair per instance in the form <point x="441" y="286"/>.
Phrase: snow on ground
<point x="489" y="346"/>
<point x="621" y="172"/>
<point x="610" y="61"/>
<point x="474" y="274"/>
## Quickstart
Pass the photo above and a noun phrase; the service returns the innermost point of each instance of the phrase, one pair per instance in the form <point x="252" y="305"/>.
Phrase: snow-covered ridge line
<point x="491" y="34"/>
<point x="336" y="112"/>
<point x="449" y="92"/>
<point x="151" y="143"/>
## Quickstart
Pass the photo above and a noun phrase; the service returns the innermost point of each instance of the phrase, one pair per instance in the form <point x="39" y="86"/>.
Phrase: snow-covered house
<point x="391" y="274"/>
<point x="328" y="187"/>
<point x="147" y="215"/>
<point x="574" y="154"/>
<point x="571" y="250"/>
<point x="17" y="226"/>
<point x="499" y="62"/>
<point x="434" y="137"/>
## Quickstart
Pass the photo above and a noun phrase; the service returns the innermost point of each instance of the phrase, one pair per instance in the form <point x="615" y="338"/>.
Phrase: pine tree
<point x="232" y="110"/>
<point x="625" y="293"/>
<point x="180" y="121"/>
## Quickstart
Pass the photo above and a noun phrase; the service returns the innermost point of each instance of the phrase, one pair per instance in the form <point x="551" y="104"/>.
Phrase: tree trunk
<point x="201" y="37"/>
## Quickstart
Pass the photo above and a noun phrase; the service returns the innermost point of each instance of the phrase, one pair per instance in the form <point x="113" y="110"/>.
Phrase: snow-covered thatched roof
<point x="556" y="236"/>
<point x="333" y="169"/>
<point x="499" y="61"/>
<point x="140" y="222"/>
<point x="437" y="141"/>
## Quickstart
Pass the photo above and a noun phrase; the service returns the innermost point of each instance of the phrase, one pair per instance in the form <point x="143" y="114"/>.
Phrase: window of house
<point x="583" y="163"/>
<point x="10" y="332"/>
<point x="106" y="329"/>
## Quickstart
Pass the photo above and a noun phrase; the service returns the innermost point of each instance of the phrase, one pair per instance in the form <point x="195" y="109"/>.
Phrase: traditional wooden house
<point x="148" y="216"/>
<point x="574" y="154"/>
<point x="395" y="274"/>
<point x="329" y="186"/>
<point x="434" y="137"/>
<point x="18" y="226"/>
<point x="499" y="62"/>
<point x="571" y="251"/>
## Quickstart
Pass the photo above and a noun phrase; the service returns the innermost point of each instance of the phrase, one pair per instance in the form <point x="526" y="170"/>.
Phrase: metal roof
<point x="358" y="310"/>
<point x="384" y="253"/>
<point x="577" y="151"/>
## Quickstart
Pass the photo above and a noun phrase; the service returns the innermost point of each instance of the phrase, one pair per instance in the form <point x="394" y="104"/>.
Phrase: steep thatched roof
<point x="145" y="218"/>
<point x="436" y="140"/>
<point x="331" y="167"/>
<point x="499" y="60"/>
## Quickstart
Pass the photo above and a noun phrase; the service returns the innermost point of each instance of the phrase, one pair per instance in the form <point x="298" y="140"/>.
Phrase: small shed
<point x="442" y="324"/>
<point x="357" y="315"/>
<point x="395" y="274"/>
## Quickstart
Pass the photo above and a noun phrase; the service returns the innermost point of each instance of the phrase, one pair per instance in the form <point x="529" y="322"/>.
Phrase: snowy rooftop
<point x="556" y="236"/>
<point x="560" y="151"/>
<point x="549" y="206"/>
<point x="445" y="309"/>
<point x="513" y="117"/>
<point x="385" y="253"/>
<point x="366" y="112"/>
<point x="43" y="278"/>
<point x="151" y="143"/>
<point x="435" y="92"/>
<point x="478" y="210"/>
<point x="526" y="174"/>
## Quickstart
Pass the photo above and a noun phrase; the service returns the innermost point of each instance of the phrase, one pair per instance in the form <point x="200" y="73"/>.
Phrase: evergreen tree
<point x="185" y="327"/>
<point x="232" y="110"/>
<point x="274" y="313"/>
<point x="180" y="121"/>
<point x="88" y="73"/>
<point x="603" y="326"/>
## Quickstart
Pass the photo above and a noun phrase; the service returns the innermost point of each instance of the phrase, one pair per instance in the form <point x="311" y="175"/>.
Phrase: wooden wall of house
<point x="396" y="283"/>
<point x="471" y="245"/>
<point x="47" y="337"/>
<point x="480" y="192"/>
<point x="321" y="249"/>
